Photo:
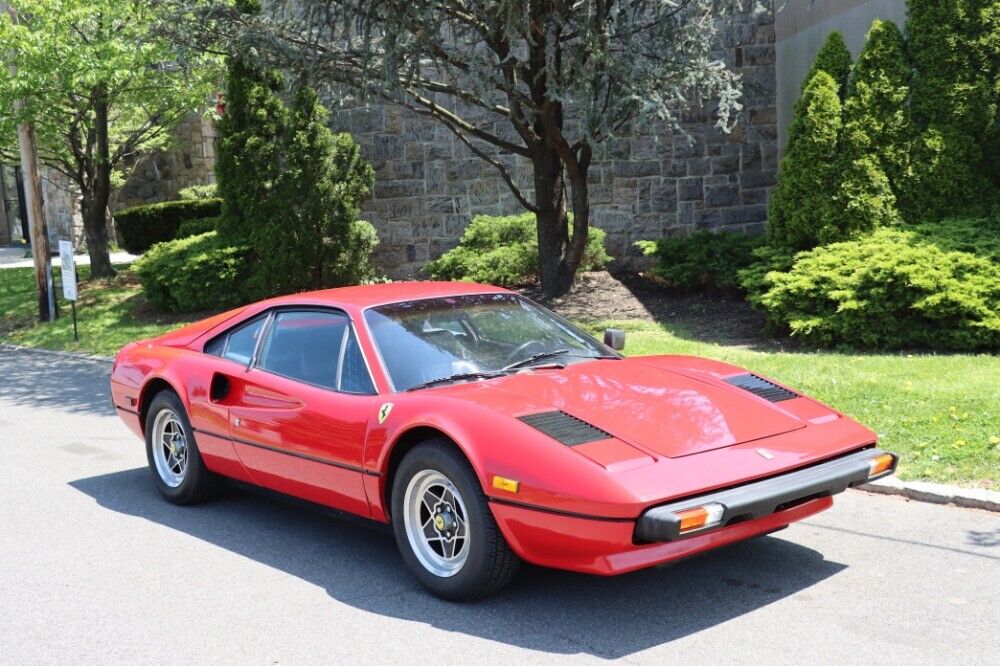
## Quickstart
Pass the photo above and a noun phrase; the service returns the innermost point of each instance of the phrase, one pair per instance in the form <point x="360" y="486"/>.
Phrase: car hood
<point x="654" y="408"/>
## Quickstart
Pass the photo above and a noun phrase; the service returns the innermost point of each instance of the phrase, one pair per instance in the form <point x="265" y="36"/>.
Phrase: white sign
<point x="68" y="270"/>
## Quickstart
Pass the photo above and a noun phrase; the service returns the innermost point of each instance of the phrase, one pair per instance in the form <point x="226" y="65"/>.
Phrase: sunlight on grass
<point x="107" y="315"/>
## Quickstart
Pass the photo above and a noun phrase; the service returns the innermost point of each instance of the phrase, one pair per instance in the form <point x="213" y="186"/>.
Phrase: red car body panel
<point x="676" y="429"/>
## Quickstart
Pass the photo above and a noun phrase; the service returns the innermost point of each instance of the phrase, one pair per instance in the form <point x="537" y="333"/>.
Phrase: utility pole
<point x="36" y="214"/>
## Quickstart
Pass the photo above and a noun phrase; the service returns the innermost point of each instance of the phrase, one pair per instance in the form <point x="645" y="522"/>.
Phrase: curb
<point x="936" y="493"/>
<point x="79" y="356"/>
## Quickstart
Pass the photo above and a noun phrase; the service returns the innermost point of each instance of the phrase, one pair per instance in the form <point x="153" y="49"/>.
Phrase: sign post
<point x="68" y="263"/>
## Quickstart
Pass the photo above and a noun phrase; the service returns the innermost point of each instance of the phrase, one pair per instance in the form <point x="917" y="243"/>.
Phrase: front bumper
<point x="762" y="498"/>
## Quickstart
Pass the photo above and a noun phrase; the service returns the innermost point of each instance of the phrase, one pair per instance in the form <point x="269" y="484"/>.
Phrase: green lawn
<point x="941" y="413"/>
<point x="110" y="314"/>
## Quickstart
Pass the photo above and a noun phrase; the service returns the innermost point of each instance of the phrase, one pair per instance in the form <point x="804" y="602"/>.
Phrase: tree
<point x="954" y="106"/>
<point x="543" y="80"/>
<point x="875" y="141"/>
<point x="834" y="59"/>
<point x="248" y="142"/>
<point x="801" y="212"/>
<point x="876" y="118"/>
<point x="101" y="91"/>
<point x="303" y="243"/>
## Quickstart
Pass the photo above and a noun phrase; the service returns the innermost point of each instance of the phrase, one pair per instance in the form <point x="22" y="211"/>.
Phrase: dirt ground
<point x="711" y="317"/>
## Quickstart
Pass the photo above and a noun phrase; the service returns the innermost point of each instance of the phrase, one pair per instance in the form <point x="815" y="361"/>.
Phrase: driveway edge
<point x="936" y="493"/>
<point x="80" y="356"/>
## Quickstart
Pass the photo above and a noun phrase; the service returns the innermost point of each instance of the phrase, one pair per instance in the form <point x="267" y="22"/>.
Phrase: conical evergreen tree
<point x="323" y="181"/>
<point x="954" y="109"/>
<point x="248" y="147"/>
<point x="802" y="208"/>
<point x="833" y="58"/>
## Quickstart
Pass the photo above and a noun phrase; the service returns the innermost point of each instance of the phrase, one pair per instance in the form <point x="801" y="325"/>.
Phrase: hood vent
<point x="761" y="387"/>
<point x="564" y="428"/>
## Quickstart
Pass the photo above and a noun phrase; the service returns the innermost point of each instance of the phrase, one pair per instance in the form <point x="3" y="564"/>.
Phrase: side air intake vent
<point x="762" y="387"/>
<point x="564" y="428"/>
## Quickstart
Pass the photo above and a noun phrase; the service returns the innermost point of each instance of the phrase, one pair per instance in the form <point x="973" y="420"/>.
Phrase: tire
<point x="481" y="562"/>
<point x="190" y="482"/>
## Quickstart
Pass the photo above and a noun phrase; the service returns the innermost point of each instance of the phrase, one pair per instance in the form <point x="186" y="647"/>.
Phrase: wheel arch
<point x="403" y="444"/>
<point x="153" y="387"/>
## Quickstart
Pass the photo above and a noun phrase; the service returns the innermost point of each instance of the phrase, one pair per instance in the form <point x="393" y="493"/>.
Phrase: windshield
<point x="482" y="335"/>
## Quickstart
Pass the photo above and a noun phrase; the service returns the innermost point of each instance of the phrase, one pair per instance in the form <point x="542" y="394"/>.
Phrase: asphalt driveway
<point x="94" y="566"/>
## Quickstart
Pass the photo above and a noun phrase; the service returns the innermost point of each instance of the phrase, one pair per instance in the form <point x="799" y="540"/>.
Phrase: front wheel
<point x="443" y="526"/>
<point x="174" y="460"/>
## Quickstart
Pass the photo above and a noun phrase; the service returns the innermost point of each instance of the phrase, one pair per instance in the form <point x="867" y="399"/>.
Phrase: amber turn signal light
<point x="880" y="464"/>
<point x="699" y="517"/>
<point x="502" y="483"/>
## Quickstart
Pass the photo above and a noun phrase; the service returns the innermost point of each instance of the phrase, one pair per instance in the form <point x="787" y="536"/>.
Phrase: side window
<point x="305" y="346"/>
<point x="354" y="377"/>
<point x="237" y="345"/>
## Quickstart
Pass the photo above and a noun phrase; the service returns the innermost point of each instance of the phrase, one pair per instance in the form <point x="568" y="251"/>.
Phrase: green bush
<point x="889" y="289"/>
<point x="199" y="192"/>
<point x="976" y="235"/>
<point x="802" y="212"/>
<point x="353" y="264"/>
<point x="197" y="227"/>
<point x="141" y="227"/>
<point x="703" y="259"/>
<point x="504" y="251"/>
<point x="196" y="273"/>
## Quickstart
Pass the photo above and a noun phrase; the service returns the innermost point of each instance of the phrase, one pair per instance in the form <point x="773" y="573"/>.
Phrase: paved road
<point x="94" y="566"/>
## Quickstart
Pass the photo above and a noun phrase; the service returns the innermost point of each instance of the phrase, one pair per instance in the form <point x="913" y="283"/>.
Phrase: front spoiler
<point x="762" y="498"/>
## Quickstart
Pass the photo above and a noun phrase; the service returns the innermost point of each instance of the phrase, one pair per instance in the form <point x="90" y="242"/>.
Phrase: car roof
<point x="365" y="296"/>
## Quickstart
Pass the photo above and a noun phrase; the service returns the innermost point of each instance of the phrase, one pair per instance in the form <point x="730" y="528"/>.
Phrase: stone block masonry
<point x="642" y="186"/>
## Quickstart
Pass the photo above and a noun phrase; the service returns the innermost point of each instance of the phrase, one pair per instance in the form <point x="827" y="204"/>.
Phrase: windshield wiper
<point x="456" y="378"/>
<point x="535" y="357"/>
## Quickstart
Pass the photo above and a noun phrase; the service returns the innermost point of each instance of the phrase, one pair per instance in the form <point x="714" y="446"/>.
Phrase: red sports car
<point x="485" y="430"/>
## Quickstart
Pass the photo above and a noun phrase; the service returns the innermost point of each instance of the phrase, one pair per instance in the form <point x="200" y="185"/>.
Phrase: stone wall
<point x="190" y="161"/>
<point x="429" y="185"/>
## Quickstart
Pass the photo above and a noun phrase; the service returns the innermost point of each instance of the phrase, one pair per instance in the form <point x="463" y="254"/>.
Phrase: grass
<point x="110" y="314"/>
<point x="941" y="413"/>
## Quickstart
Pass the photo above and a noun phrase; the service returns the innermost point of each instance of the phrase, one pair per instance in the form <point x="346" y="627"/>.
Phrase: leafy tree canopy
<point x="101" y="90"/>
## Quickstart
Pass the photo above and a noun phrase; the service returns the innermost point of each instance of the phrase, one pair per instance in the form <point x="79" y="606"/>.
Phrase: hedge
<point x="141" y="227"/>
<point x="193" y="274"/>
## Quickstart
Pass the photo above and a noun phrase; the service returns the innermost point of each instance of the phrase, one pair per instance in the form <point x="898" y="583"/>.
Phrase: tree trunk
<point x="95" y="201"/>
<point x="552" y="222"/>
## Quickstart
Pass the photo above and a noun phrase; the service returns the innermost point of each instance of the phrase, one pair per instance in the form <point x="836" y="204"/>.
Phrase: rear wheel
<point x="443" y="526"/>
<point x="174" y="460"/>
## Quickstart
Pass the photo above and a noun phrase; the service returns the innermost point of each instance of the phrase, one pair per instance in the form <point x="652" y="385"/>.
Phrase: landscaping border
<point x="920" y="491"/>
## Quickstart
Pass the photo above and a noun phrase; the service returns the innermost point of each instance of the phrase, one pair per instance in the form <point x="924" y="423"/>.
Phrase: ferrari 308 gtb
<point x="485" y="430"/>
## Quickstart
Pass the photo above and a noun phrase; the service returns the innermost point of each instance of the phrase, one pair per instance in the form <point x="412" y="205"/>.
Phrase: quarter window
<point x="318" y="348"/>
<point x="239" y="345"/>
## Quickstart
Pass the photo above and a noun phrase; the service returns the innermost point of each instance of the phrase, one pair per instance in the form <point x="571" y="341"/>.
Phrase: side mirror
<point x="614" y="338"/>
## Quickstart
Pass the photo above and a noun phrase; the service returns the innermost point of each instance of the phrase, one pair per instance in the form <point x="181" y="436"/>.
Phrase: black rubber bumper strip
<point x="762" y="498"/>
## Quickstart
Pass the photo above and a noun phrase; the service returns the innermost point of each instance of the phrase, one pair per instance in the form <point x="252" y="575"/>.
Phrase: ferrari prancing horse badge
<point x="383" y="412"/>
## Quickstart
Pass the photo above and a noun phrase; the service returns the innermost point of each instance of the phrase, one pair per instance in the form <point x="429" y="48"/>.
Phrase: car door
<point x="300" y="417"/>
<point x="212" y="387"/>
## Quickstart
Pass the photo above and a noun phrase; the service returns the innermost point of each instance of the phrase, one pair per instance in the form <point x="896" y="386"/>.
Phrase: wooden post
<point x="36" y="214"/>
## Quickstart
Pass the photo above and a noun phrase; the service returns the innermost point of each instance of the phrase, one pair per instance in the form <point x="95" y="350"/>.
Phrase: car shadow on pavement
<point x="48" y="380"/>
<point x="551" y="611"/>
